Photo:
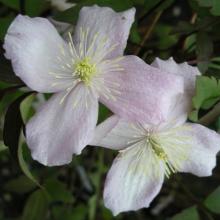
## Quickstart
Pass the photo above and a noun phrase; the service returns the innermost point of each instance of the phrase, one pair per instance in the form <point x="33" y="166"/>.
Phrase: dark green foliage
<point x="187" y="30"/>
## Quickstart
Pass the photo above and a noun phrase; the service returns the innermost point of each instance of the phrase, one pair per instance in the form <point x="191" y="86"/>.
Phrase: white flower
<point x="149" y="152"/>
<point x="88" y="68"/>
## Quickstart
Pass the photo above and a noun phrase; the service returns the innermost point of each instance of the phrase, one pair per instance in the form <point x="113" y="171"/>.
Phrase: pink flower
<point x="149" y="152"/>
<point x="87" y="68"/>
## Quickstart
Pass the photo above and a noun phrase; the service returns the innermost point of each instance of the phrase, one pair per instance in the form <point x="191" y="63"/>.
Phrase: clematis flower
<point x="86" y="68"/>
<point x="150" y="152"/>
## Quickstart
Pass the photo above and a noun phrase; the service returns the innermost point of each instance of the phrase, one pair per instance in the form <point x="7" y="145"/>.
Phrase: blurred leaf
<point x="204" y="50"/>
<point x="201" y="11"/>
<point x="6" y="72"/>
<point x="32" y="7"/>
<point x="77" y="213"/>
<point x="24" y="167"/>
<point x="19" y="185"/>
<point x="25" y="107"/>
<point x="165" y="39"/>
<point x="57" y="191"/>
<point x="104" y="113"/>
<point x="212" y="201"/>
<point x="2" y="146"/>
<point x="134" y="34"/>
<point x="164" y="5"/>
<point x="187" y="214"/>
<point x="183" y="27"/>
<point x="13" y="125"/>
<point x="207" y="94"/>
<point x="14" y="4"/>
<point x="36" y="206"/>
<point x="71" y="14"/>
<point x="35" y="7"/>
<point x="5" y="22"/>
<point x="205" y="3"/>
<point x="213" y="6"/>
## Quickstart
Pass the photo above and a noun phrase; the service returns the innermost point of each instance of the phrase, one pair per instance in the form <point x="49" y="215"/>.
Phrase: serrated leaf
<point x="207" y="94"/>
<point x="36" y="206"/>
<point x="187" y="214"/>
<point x="212" y="201"/>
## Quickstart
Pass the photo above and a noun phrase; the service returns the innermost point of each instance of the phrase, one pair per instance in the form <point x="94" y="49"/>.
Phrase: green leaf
<point x="104" y="113"/>
<point x="204" y="50"/>
<point x="6" y="73"/>
<point x="24" y="167"/>
<point x="32" y="7"/>
<point x="5" y="22"/>
<point x="207" y="94"/>
<point x="36" y="206"/>
<point x="19" y="185"/>
<point x="2" y="146"/>
<point x="12" y="125"/>
<point x="71" y="14"/>
<point x="14" y="4"/>
<point x="212" y="5"/>
<point x="205" y="3"/>
<point x="187" y="214"/>
<point x="57" y="191"/>
<point x="215" y="8"/>
<point x="212" y="201"/>
<point x="77" y="213"/>
<point x="25" y="107"/>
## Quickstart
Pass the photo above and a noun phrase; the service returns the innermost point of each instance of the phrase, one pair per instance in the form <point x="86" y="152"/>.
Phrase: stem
<point x="150" y="11"/>
<point x="148" y="32"/>
<point x="210" y="116"/>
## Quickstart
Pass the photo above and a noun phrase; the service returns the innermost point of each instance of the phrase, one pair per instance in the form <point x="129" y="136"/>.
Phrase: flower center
<point x="157" y="149"/>
<point x="85" y="70"/>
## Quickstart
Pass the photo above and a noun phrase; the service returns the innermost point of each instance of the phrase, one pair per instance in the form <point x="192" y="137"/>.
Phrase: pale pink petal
<point x="106" y="28"/>
<point x="133" y="181"/>
<point x="140" y="92"/>
<point x="61" y="129"/>
<point x="37" y="54"/>
<point x="204" y="145"/>
<point x="188" y="72"/>
<point x="115" y="133"/>
<point x="178" y="112"/>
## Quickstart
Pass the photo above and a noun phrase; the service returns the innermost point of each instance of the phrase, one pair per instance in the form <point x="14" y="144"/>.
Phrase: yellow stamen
<point x="85" y="70"/>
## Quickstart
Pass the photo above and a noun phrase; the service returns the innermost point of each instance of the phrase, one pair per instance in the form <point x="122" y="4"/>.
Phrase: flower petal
<point x="141" y="92"/>
<point x="188" y="72"/>
<point x="133" y="182"/>
<point x="115" y="133"/>
<point x="35" y="47"/>
<point x="59" y="130"/>
<point x="205" y="145"/>
<point x="110" y="29"/>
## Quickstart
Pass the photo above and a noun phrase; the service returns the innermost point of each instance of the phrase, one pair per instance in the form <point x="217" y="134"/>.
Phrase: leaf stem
<point x="210" y="116"/>
<point x="148" y="32"/>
